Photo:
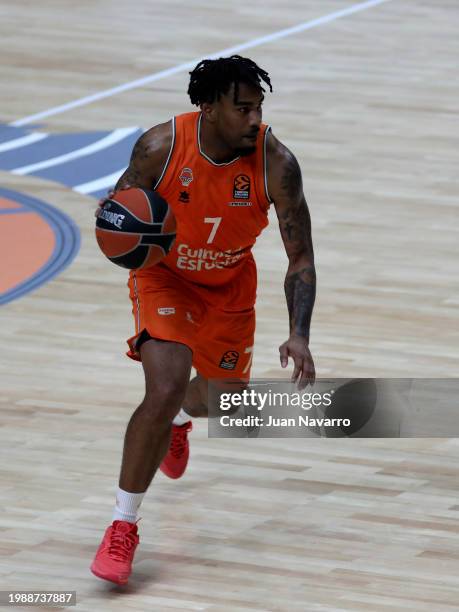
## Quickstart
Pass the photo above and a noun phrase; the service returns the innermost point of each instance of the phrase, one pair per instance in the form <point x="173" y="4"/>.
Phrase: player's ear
<point x="209" y="112"/>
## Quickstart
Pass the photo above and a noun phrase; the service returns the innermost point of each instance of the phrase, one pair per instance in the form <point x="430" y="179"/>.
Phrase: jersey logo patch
<point x="166" y="311"/>
<point x="229" y="360"/>
<point x="186" y="176"/>
<point x="184" y="197"/>
<point x="241" y="188"/>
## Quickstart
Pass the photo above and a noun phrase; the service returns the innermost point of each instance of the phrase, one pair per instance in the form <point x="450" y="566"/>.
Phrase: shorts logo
<point x="186" y="176"/>
<point x="166" y="311"/>
<point x="229" y="360"/>
<point x="241" y="188"/>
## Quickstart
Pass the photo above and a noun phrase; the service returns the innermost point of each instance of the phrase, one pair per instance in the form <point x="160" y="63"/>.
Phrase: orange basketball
<point x="135" y="228"/>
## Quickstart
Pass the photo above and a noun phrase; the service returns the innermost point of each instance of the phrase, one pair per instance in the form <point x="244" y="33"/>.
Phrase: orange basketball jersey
<point x="220" y="208"/>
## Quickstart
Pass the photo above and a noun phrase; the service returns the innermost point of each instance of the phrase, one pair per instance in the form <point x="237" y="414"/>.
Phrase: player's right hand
<point x="110" y="194"/>
<point x="102" y="201"/>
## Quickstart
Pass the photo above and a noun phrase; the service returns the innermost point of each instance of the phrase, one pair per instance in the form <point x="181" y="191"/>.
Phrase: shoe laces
<point x="179" y="439"/>
<point x="121" y="544"/>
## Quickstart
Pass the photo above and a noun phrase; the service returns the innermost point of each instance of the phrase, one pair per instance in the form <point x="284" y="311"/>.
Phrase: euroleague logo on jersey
<point x="229" y="360"/>
<point x="241" y="189"/>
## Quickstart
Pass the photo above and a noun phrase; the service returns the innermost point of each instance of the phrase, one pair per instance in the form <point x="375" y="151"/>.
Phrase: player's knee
<point x="163" y="401"/>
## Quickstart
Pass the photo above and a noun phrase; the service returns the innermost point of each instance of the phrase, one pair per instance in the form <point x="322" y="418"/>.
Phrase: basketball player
<point x="219" y="169"/>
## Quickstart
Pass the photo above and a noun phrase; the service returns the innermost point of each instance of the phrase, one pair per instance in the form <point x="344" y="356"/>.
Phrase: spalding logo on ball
<point x="135" y="228"/>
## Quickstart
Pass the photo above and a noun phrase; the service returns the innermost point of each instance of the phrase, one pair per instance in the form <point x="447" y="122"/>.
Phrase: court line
<point x="14" y="211"/>
<point x="66" y="247"/>
<point x="103" y="143"/>
<point x="101" y="183"/>
<point x="306" y="25"/>
<point x="22" y="142"/>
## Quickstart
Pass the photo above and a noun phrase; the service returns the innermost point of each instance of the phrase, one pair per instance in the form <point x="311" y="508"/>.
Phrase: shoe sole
<point x="99" y="575"/>
<point x="169" y="475"/>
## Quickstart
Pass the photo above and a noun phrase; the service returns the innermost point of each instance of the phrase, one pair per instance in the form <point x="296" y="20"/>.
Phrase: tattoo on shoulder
<point x="133" y="174"/>
<point x="293" y="214"/>
<point x="291" y="177"/>
<point x="130" y="177"/>
<point x="140" y="150"/>
<point x="295" y="226"/>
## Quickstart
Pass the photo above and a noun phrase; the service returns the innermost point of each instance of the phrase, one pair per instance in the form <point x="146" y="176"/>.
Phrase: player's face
<point x="238" y="122"/>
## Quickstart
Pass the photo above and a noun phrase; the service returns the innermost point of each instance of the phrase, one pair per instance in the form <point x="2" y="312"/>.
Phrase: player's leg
<point x="167" y="317"/>
<point x="196" y="398"/>
<point x="223" y="359"/>
<point x="195" y="404"/>
<point x="167" y="367"/>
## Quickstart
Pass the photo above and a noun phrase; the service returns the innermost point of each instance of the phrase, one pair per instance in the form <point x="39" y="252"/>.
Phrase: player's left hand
<point x="297" y="348"/>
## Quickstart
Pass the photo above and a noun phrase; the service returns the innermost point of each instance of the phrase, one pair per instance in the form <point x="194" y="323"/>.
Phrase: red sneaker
<point x="176" y="459"/>
<point x="113" y="560"/>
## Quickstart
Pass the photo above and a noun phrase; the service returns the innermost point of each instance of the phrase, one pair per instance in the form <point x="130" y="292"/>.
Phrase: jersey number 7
<point x="215" y="222"/>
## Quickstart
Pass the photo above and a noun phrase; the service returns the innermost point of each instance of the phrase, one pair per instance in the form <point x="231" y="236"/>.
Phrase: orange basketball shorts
<point x="216" y="323"/>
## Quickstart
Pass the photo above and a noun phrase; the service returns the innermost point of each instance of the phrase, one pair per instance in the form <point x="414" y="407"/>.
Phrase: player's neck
<point x="212" y="146"/>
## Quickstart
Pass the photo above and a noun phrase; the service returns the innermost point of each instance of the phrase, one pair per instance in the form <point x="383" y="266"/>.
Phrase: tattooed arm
<point x="148" y="158"/>
<point x="147" y="161"/>
<point x="286" y="189"/>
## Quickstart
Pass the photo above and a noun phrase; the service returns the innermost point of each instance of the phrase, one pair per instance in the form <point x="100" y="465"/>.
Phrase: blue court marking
<point x="55" y="144"/>
<point x="91" y="167"/>
<point x="101" y="193"/>
<point x="13" y="211"/>
<point x="67" y="243"/>
<point x="8" y="132"/>
<point x="78" y="171"/>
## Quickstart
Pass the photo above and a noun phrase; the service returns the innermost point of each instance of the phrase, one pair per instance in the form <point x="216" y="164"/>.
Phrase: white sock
<point x="181" y="418"/>
<point x="127" y="505"/>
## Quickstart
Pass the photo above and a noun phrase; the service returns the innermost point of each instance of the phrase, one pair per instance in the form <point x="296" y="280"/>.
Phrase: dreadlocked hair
<point x="212" y="78"/>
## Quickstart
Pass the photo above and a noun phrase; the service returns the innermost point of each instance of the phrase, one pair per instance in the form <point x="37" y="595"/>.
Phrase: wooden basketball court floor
<point x="367" y="99"/>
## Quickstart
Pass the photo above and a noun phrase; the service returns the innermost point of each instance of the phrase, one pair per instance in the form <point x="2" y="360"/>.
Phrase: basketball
<point x="135" y="228"/>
